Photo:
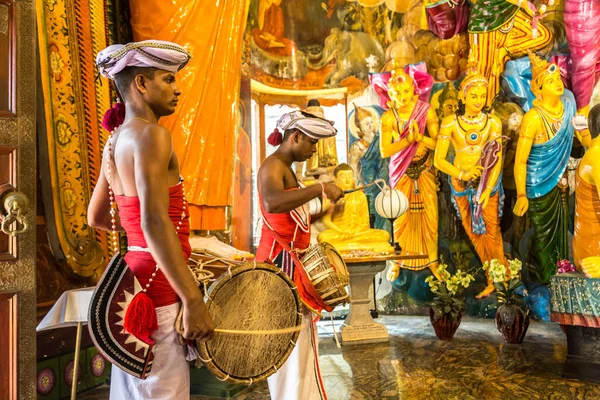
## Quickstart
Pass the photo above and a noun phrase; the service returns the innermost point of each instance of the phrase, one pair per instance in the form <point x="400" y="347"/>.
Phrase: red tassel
<point x="114" y="117"/>
<point x="275" y="138"/>
<point x="140" y="318"/>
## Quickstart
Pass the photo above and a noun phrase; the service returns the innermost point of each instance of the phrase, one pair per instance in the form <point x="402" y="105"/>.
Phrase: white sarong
<point x="300" y="377"/>
<point x="170" y="375"/>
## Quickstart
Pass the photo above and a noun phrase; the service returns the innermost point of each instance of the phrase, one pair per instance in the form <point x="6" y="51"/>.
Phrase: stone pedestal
<point x="575" y="302"/>
<point x="359" y="326"/>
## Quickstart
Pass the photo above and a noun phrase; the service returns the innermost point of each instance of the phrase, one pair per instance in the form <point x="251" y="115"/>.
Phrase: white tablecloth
<point x="70" y="308"/>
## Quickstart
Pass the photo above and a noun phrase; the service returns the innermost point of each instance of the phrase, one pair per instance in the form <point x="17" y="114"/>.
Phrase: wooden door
<point x="17" y="191"/>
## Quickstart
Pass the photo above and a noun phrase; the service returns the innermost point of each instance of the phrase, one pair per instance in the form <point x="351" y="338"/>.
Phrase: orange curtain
<point x="204" y="124"/>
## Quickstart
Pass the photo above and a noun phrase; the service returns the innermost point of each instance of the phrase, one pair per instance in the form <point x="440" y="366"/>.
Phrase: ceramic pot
<point x="444" y="327"/>
<point x="512" y="322"/>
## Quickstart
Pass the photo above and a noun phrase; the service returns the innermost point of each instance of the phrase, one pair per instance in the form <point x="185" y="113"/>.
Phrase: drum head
<point x="336" y="259"/>
<point x="255" y="297"/>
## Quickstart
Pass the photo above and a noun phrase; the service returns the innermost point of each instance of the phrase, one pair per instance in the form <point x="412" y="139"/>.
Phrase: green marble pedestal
<point x="203" y="383"/>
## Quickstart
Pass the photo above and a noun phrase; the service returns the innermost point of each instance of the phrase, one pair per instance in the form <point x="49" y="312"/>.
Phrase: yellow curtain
<point x="204" y="124"/>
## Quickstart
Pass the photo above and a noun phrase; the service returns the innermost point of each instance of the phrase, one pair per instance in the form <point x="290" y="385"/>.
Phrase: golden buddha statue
<point x="409" y="130"/>
<point x="586" y="235"/>
<point x="349" y="229"/>
<point x="325" y="159"/>
<point x="475" y="174"/>
<point x="543" y="151"/>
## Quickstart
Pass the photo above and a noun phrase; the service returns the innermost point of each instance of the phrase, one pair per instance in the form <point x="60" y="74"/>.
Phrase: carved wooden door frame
<point x="18" y="174"/>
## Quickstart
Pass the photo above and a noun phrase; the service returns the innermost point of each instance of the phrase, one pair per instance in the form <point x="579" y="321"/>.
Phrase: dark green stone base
<point x="583" y="359"/>
<point x="203" y="383"/>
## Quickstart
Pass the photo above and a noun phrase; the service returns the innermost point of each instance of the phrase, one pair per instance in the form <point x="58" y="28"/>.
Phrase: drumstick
<point x="269" y="332"/>
<point x="363" y="187"/>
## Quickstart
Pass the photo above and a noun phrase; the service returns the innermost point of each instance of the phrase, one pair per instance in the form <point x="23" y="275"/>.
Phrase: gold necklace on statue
<point x="473" y="135"/>
<point x="473" y="121"/>
<point x="555" y="115"/>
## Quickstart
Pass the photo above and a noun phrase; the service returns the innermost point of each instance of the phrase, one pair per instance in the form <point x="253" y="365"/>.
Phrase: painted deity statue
<point x="409" y="130"/>
<point x="582" y="26"/>
<point x="349" y="229"/>
<point x="366" y="133"/>
<point x="365" y="158"/>
<point x="475" y="178"/>
<point x="325" y="159"/>
<point x="586" y="235"/>
<point x="500" y="30"/>
<point x="543" y="150"/>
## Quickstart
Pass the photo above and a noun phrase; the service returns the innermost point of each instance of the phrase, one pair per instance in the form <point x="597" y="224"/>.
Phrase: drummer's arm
<point x="152" y="155"/>
<point x="275" y="199"/>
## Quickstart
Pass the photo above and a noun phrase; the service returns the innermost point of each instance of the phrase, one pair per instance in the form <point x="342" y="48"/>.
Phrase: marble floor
<point x="416" y="365"/>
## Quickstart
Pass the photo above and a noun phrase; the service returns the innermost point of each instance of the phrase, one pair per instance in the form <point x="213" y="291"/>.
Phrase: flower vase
<point x="444" y="327"/>
<point x="512" y="322"/>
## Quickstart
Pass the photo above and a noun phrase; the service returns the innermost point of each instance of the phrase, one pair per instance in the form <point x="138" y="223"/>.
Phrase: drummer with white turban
<point x="283" y="202"/>
<point x="122" y="63"/>
<point x="140" y="173"/>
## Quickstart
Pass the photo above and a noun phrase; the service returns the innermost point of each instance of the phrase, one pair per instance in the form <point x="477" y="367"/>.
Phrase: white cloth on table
<point x="70" y="308"/>
<point x="170" y="375"/>
<point x="300" y="377"/>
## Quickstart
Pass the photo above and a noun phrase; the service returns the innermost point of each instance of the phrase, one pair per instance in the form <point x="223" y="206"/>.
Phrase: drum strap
<point x="305" y="288"/>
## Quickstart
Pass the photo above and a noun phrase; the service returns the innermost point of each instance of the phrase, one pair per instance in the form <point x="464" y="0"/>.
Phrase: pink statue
<point x="582" y="24"/>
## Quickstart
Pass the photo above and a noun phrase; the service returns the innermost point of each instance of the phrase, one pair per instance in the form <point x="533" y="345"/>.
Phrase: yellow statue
<point x="586" y="235"/>
<point x="325" y="158"/>
<point x="408" y="135"/>
<point x="475" y="175"/>
<point x="543" y="152"/>
<point x="500" y="30"/>
<point x="349" y="229"/>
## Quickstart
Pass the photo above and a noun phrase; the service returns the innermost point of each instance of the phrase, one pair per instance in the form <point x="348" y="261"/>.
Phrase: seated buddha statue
<point x="349" y="228"/>
<point x="586" y="233"/>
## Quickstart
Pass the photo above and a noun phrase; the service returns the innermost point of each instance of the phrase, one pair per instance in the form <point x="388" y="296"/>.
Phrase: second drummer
<point x="283" y="202"/>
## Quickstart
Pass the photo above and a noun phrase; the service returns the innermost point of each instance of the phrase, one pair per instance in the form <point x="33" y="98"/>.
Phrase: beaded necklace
<point x="113" y="208"/>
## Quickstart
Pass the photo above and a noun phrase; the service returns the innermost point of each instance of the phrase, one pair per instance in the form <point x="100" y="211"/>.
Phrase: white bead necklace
<point x="113" y="209"/>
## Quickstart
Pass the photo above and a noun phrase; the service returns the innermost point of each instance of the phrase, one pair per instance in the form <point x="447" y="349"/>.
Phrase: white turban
<point x="158" y="54"/>
<point x="312" y="126"/>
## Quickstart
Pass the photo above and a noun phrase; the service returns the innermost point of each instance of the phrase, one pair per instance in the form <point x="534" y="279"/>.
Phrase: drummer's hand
<point x="197" y="323"/>
<point x="333" y="192"/>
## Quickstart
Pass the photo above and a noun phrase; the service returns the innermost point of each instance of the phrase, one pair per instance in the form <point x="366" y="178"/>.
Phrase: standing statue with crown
<point x="543" y="152"/>
<point x="409" y="130"/>
<point x="475" y="175"/>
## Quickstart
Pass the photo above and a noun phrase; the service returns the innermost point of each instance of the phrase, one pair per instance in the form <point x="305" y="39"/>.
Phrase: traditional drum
<point x="257" y="315"/>
<point x="327" y="273"/>
<point x="212" y="262"/>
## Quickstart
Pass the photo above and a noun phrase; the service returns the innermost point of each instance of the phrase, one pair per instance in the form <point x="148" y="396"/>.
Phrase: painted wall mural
<point x="355" y="44"/>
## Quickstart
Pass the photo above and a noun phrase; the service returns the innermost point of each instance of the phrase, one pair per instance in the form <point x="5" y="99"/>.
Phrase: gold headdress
<point x="360" y="113"/>
<point x="473" y="78"/>
<point x="539" y="69"/>
<point x="449" y="92"/>
<point x="314" y="107"/>
<point x="399" y="77"/>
